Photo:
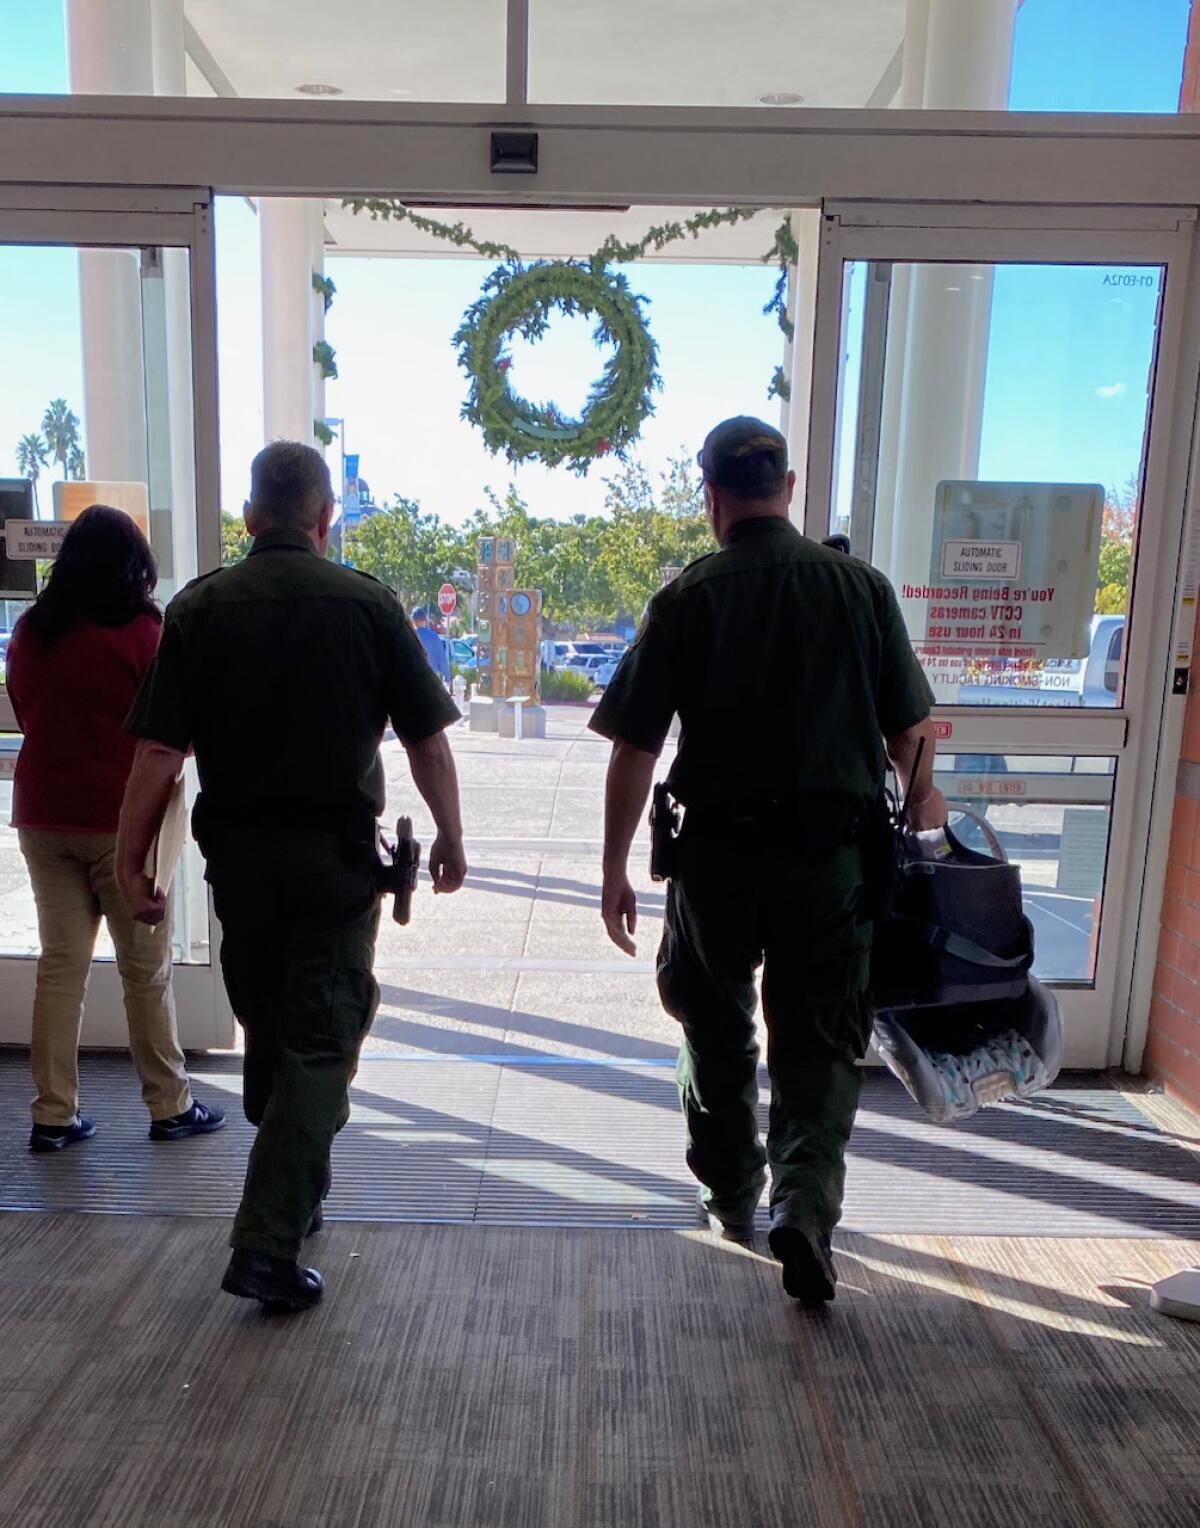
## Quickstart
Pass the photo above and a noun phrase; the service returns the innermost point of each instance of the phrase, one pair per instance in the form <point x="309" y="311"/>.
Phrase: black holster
<point x="664" y="834"/>
<point x="397" y="870"/>
<point x="881" y="843"/>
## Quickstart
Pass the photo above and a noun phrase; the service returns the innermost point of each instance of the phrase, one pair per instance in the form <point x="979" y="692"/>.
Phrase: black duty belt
<point x="352" y="824"/>
<point x="815" y="823"/>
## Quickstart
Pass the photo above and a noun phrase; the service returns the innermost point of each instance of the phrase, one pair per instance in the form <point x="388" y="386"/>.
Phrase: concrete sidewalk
<point x="517" y="962"/>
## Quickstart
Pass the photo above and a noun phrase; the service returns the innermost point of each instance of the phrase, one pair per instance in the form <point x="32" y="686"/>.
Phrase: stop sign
<point x="447" y="599"/>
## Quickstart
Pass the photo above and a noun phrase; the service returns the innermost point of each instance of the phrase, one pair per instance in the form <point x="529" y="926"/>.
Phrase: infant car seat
<point x="957" y="1016"/>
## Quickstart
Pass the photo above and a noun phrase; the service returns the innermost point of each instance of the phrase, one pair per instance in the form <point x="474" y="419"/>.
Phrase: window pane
<point x="98" y="409"/>
<point x="987" y="55"/>
<point x="276" y="49"/>
<point x="998" y="416"/>
<point x="1051" y="816"/>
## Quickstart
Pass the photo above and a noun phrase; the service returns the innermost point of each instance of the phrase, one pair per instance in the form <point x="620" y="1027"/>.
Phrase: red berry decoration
<point x="603" y="447"/>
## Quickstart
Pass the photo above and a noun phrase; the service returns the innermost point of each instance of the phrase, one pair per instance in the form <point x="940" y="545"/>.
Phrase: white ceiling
<point x="589" y="52"/>
<point x="710" y="52"/>
<point x="373" y="50"/>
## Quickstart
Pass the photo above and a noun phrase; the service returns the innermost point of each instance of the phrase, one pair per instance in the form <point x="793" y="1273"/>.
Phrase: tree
<point x="651" y="528"/>
<point x="1115" y="562"/>
<point x="406" y="548"/>
<point x="590" y="568"/>
<point x="61" y="428"/>
<point x="31" y="458"/>
<point x="76" y="464"/>
<point x="235" y="539"/>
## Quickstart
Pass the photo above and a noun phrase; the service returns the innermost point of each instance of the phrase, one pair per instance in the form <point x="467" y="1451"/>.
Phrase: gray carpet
<point x="560" y="1142"/>
<point x="468" y="1377"/>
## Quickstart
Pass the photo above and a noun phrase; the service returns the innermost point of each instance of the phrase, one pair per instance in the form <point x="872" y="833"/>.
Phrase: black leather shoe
<point x="59" y="1137"/>
<point x="280" y="1285"/>
<point x="739" y="1231"/>
<point x="807" y="1257"/>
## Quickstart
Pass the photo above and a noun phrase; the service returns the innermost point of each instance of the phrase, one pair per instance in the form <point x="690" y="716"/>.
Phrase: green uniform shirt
<point x="282" y="673"/>
<point x="785" y="662"/>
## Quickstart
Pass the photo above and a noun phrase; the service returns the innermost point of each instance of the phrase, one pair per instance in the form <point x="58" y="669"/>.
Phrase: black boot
<point x="807" y="1257"/>
<point x="280" y="1285"/>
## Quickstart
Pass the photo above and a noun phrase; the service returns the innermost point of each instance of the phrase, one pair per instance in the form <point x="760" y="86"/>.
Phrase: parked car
<point x="1090" y="681"/>
<point x="462" y="654"/>
<point x="585" y="663"/>
<point x="602" y="677"/>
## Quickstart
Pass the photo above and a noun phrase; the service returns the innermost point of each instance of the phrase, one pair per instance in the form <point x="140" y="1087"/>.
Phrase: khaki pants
<point x="74" y="884"/>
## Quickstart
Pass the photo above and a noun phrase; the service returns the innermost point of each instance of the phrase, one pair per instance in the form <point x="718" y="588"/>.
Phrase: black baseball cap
<point x="745" y="456"/>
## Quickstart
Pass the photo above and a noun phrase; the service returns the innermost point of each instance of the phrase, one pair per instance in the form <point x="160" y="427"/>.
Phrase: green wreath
<point x="520" y="299"/>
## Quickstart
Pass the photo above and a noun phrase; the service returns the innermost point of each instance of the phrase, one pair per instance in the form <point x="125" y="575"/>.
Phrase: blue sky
<point x="1067" y="361"/>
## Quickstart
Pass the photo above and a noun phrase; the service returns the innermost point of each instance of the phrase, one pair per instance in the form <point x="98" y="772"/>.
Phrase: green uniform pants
<point x="729" y="911"/>
<point x="299" y="914"/>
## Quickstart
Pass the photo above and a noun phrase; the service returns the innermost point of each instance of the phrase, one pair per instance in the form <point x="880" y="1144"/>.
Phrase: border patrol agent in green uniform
<point x="789" y="666"/>
<point x="282" y="673"/>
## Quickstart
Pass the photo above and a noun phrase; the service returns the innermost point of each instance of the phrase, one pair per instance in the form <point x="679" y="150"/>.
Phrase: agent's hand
<point x="618" y="908"/>
<point x="447" y="864"/>
<point x="145" y="902"/>
<point x="930" y="811"/>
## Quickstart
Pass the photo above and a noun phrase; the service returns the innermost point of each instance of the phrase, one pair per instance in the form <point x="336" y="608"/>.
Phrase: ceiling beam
<point x="516" y="53"/>
<point x="601" y="155"/>
<point x="888" y="88"/>
<point x="197" y="50"/>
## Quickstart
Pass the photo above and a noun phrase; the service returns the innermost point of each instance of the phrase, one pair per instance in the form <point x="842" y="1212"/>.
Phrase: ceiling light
<point x="781" y="98"/>
<point x="319" y="90"/>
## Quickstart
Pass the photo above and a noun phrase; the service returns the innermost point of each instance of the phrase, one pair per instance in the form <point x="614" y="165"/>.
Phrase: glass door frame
<point x="111" y="218"/>
<point x="1140" y="732"/>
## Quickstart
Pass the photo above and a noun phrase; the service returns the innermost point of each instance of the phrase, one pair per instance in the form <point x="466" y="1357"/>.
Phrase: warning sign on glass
<point x="1012" y="581"/>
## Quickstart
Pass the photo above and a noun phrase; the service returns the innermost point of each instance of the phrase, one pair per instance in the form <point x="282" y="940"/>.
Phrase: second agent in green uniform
<point x="790" y="669"/>
<point x="282" y="673"/>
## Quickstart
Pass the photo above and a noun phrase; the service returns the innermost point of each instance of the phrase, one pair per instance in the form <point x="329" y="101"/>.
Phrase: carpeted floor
<point x="465" y="1377"/>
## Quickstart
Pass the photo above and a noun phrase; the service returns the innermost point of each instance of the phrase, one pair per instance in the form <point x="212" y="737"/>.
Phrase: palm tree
<point x="61" y="428"/>
<point x="76" y="466"/>
<point x="31" y="458"/>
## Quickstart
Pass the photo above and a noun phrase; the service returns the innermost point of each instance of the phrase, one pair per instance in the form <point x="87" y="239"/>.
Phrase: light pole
<point x="465" y="580"/>
<point x="335" y="535"/>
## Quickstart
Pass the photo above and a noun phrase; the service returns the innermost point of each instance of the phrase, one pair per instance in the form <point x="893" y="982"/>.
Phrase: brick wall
<point x="1173" y="1043"/>
<point x="1189" y="88"/>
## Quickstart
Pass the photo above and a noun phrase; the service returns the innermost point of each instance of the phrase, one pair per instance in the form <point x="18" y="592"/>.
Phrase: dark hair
<point x="104" y="572"/>
<point x="289" y="485"/>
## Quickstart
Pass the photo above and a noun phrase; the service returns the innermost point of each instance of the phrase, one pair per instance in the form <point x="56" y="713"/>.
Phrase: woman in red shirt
<point x="76" y="660"/>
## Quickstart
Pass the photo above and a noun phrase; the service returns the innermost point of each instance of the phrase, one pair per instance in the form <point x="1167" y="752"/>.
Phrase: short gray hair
<point x="290" y="485"/>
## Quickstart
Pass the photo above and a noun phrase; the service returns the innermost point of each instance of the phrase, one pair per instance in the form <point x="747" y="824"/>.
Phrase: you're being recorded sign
<point x="1012" y="580"/>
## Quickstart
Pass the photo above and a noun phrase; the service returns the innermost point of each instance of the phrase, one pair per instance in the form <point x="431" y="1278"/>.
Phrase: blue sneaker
<point x="58" y="1137"/>
<point x="198" y="1120"/>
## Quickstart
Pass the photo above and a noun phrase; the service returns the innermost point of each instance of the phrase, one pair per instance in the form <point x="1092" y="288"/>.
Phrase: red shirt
<point x="71" y="703"/>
